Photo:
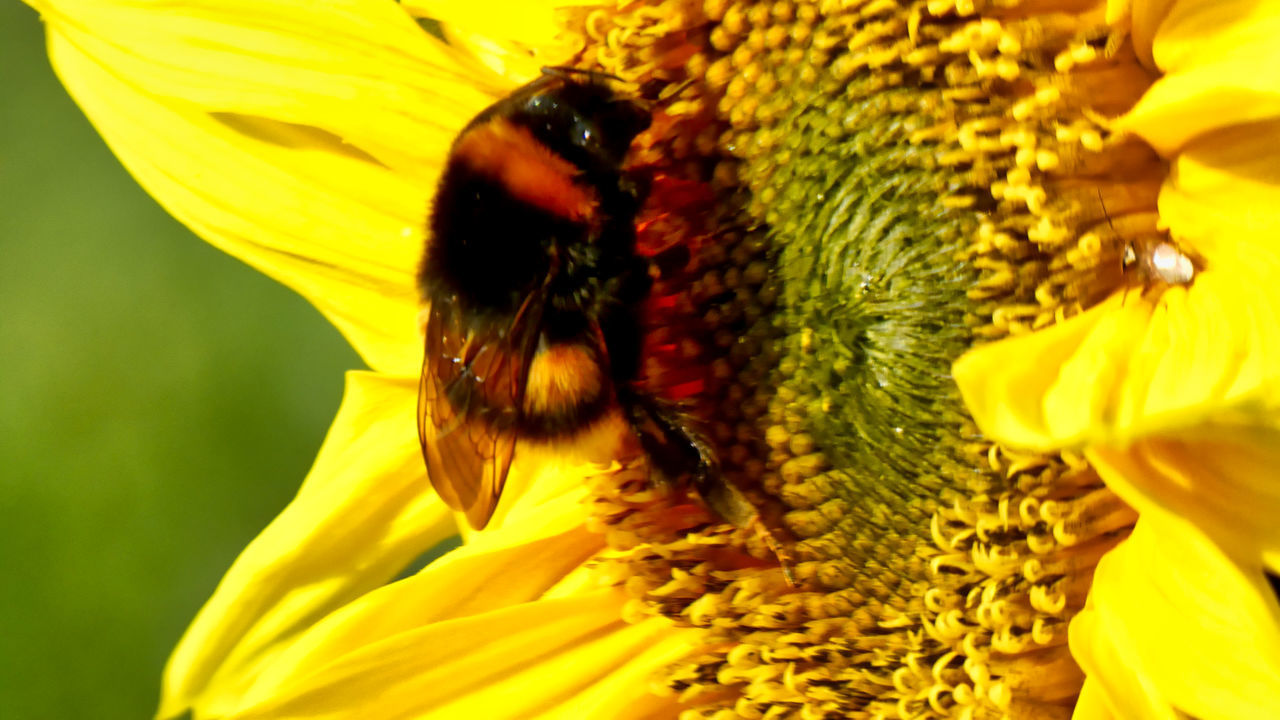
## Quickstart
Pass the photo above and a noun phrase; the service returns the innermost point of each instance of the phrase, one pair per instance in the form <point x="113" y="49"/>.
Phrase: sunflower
<point x="1020" y="472"/>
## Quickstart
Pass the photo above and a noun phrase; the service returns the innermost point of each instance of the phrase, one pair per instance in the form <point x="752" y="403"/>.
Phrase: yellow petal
<point x="530" y="21"/>
<point x="533" y="552"/>
<point x="302" y="139"/>
<point x="1174" y="623"/>
<point x="1058" y="397"/>
<point x="364" y="512"/>
<point x="1005" y="394"/>
<point x="1207" y="352"/>
<point x="1114" y="688"/>
<point x="1141" y="18"/>
<point x="503" y="43"/>
<point x="566" y="657"/>
<point x="501" y="568"/>
<point x="1223" y="198"/>
<point x="1091" y="704"/>
<point x="1223" y="355"/>
<point x="1222" y="478"/>
<point x="1123" y="370"/>
<point x="361" y="70"/>
<point x="1218" y="59"/>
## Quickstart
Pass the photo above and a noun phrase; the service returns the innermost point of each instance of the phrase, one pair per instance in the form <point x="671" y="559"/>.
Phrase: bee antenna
<point x="564" y="71"/>
<point x="1124" y="260"/>
<point x="1128" y="255"/>
<point x="1104" y="208"/>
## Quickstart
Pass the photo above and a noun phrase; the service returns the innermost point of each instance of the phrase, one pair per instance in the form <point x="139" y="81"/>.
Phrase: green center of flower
<point x="872" y="293"/>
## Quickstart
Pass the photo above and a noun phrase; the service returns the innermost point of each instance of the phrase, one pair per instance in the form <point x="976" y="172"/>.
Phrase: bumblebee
<point x="532" y="286"/>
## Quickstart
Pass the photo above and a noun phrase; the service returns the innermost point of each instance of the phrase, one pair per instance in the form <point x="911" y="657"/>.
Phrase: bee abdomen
<point x="568" y="389"/>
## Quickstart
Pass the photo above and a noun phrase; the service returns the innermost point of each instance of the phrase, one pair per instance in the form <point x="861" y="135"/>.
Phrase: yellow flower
<point x="896" y="184"/>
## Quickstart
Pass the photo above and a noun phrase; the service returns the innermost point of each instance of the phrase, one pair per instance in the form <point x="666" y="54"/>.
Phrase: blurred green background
<point x="159" y="404"/>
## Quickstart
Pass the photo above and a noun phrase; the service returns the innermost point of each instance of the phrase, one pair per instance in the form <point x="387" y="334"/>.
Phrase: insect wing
<point x="469" y="401"/>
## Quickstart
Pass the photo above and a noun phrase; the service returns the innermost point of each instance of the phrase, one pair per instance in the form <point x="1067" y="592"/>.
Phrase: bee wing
<point x="469" y="402"/>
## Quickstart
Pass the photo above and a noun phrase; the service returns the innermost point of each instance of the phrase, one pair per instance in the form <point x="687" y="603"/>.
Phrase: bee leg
<point x="728" y="501"/>
<point x="673" y="450"/>
<point x="678" y="451"/>
<point x="780" y="551"/>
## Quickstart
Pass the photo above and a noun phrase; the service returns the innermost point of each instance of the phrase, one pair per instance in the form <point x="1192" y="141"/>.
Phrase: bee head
<point x="581" y="117"/>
